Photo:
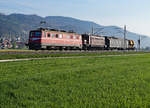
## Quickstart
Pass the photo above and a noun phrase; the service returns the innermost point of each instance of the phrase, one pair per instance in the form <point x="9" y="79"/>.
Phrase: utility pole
<point x="125" y="32"/>
<point x="139" y="43"/>
<point x="92" y="30"/>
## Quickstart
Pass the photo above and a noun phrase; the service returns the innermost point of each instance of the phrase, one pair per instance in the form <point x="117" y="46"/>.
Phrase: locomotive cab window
<point x="36" y="34"/>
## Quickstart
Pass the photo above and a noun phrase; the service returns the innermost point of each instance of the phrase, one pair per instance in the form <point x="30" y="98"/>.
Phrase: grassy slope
<point x="83" y="82"/>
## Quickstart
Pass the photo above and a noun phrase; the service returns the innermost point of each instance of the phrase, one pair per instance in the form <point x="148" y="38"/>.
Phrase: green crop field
<point x="104" y="82"/>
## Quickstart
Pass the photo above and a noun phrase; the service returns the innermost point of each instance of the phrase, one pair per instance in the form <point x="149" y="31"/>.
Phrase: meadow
<point x="19" y="54"/>
<point x="98" y="82"/>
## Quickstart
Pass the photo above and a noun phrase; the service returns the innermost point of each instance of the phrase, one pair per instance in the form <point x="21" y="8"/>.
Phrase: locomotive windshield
<point x="35" y="34"/>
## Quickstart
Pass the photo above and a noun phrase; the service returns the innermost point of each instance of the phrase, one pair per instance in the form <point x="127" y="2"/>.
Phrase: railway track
<point x="63" y="52"/>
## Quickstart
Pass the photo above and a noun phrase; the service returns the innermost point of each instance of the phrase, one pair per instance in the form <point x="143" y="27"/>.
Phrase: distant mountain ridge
<point x="19" y="25"/>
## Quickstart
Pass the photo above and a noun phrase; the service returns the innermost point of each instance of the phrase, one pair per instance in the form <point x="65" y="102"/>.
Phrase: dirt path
<point x="26" y="59"/>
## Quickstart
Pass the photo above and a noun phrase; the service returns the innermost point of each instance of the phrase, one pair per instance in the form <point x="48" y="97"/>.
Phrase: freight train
<point x="43" y="38"/>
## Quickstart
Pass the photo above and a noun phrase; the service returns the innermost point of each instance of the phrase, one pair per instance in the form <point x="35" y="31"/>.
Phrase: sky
<point x="132" y="13"/>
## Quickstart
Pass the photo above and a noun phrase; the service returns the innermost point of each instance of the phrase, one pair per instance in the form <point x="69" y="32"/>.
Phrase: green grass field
<point x="4" y="56"/>
<point x="107" y="82"/>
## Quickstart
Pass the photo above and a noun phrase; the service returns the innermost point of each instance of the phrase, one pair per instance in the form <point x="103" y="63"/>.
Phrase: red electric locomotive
<point x="54" y="39"/>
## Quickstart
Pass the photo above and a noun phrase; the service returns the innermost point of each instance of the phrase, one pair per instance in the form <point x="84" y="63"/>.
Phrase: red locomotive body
<point x="52" y="39"/>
